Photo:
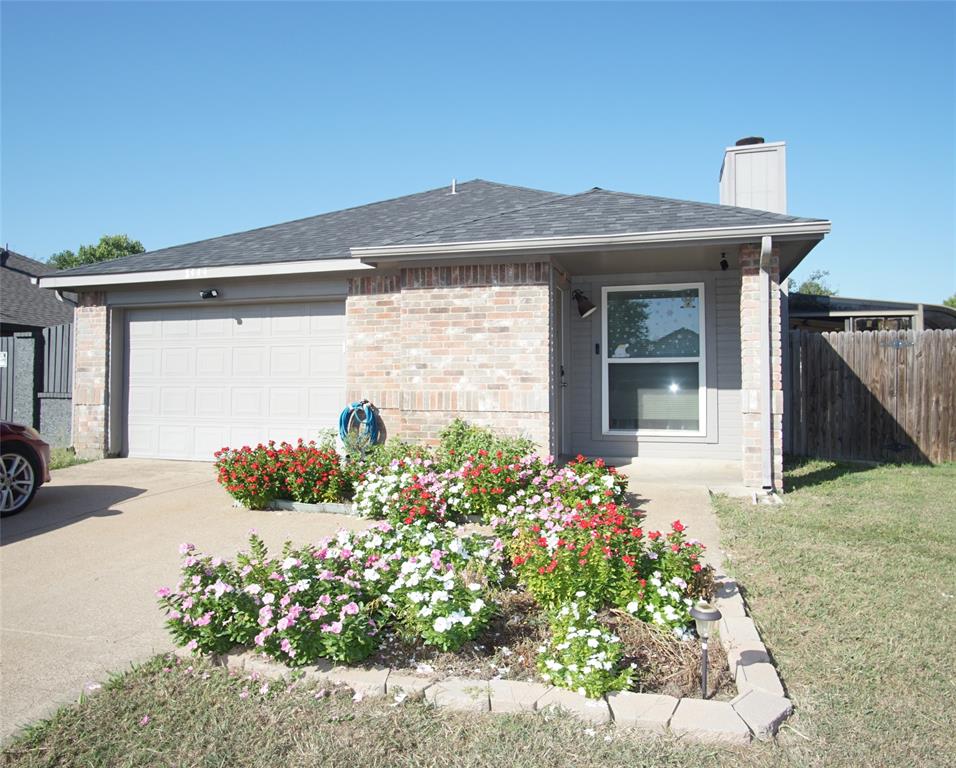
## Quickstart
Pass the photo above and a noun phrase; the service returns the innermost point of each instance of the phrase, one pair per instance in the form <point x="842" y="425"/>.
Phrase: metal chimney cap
<point x="747" y="141"/>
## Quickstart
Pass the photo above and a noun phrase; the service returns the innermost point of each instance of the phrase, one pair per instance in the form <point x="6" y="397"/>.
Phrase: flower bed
<point x="415" y="585"/>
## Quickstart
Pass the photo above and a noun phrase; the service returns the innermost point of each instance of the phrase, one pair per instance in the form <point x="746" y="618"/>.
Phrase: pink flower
<point x="185" y="548"/>
<point x="163" y="592"/>
<point x="192" y="645"/>
<point x="196" y="581"/>
<point x="287" y="648"/>
<point x="244" y="693"/>
<point x="144" y="720"/>
<point x="264" y="689"/>
<point x="335" y="627"/>
<point x="350" y="609"/>
<point x="318" y="613"/>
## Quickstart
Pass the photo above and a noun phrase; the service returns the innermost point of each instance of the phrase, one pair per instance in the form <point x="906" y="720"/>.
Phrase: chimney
<point x="754" y="175"/>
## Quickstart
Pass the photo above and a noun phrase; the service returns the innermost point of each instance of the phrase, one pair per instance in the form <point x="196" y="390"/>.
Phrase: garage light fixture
<point x="209" y="293"/>
<point x="586" y="307"/>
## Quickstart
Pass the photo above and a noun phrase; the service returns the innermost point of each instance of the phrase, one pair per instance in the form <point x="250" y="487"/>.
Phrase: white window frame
<point x="701" y="363"/>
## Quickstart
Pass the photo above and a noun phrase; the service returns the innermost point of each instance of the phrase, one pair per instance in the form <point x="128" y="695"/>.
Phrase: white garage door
<point x="200" y="378"/>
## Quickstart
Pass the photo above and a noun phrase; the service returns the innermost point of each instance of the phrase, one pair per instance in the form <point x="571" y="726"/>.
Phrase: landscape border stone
<point x="759" y="708"/>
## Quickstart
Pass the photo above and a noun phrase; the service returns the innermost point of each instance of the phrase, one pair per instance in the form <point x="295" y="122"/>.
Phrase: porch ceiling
<point x="675" y="258"/>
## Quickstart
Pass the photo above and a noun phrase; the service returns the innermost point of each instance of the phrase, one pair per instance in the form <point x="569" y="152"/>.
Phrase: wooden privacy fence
<point x="875" y="395"/>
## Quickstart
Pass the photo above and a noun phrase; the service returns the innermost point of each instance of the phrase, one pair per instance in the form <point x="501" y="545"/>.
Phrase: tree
<point x="950" y="302"/>
<point x="815" y="285"/>
<point x="108" y="248"/>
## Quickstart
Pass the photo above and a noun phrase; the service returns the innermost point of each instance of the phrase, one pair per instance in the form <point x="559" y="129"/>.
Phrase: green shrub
<point x="460" y="440"/>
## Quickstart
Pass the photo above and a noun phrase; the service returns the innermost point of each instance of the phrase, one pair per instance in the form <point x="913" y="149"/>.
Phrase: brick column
<point x="751" y="321"/>
<point x="90" y="376"/>
<point x="373" y="346"/>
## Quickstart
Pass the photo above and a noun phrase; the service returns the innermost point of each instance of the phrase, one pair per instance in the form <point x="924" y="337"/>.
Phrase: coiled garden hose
<point x="361" y="413"/>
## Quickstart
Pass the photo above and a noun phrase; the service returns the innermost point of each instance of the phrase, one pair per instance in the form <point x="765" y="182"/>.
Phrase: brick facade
<point x="427" y="344"/>
<point x="90" y="372"/>
<point x="750" y="357"/>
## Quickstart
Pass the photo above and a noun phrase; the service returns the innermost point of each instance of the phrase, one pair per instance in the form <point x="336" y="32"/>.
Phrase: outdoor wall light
<point x="705" y="616"/>
<point x="209" y="293"/>
<point x="586" y="307"/>
<point x="724" y="264"/>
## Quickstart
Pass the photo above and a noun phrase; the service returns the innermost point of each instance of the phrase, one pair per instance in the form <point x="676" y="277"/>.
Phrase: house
<point x="474" y="300"/>
<point x="23" y="306"/>
<point x="808" y="312"/>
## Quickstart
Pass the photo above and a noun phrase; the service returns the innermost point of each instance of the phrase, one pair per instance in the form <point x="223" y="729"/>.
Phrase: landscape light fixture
<point x="705" y="616"/>
<point x="586" y="307"/>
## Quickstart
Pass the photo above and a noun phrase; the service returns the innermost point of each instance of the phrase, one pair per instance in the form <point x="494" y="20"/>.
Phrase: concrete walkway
<point x="80" y="566"/>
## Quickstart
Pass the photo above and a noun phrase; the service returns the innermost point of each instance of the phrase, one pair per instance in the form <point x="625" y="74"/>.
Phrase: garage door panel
<point x="203" y="377"/>
<point x="287" y="361"/>
<point x="215" y="362"/>
<point x="326" y="361"/>
<point x="323" y="405"/>
<point x="144" y="362"/>
<point x="213" y="402"/>
<point x="288" y="403"/>
<point x="176" y="401"/>
<point x="247" y="402"/>
<point x="177" y="362"/>
<point x="250" y="362"/>
<point x="175" y="440"/>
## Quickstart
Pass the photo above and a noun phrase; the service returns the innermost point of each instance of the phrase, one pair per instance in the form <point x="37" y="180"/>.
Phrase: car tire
<point x="19" y="479"/>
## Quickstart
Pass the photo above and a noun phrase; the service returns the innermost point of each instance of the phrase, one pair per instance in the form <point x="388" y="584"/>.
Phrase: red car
<point x="24" y="466"/>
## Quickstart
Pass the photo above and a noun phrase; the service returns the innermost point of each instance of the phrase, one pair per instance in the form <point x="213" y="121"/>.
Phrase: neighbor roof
<point x="21" y="302"/>
<point x="478" y="211"/>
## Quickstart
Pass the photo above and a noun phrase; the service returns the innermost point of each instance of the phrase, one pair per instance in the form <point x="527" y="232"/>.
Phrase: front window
<point x="653" y="359"/>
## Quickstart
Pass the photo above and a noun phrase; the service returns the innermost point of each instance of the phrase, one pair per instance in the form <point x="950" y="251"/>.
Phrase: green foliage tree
<point x="108" y="248"/>
<point x="950" y="302"/>
<point x="815" y="285"/>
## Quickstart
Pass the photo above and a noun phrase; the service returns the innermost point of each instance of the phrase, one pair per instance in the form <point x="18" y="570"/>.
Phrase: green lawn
<point x="852" y="583"/>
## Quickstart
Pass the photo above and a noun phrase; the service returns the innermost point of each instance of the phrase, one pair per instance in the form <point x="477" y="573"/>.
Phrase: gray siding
<point x="722" y="329"/>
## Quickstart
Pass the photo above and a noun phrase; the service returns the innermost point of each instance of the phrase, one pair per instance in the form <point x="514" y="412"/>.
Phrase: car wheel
<point x="18" y="480"/>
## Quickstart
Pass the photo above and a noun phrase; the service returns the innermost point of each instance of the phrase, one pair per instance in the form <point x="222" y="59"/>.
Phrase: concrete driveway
<point x="78" y="571"/>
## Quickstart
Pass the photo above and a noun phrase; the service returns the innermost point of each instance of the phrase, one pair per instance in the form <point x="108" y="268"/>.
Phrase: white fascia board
<point x="785" y="231"/>
<point x="317" y="266"/>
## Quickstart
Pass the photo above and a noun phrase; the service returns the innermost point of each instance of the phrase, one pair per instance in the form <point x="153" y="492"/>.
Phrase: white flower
<point x="371" y="574"/>
<point x="632" y="606"/>
<point x="440" y="624"/>
<point x="253" y="589"/>
<point x="592" y="643"/>
<point x="416" y="597"/>
<point x="476" y="605"/>
<point x="268" y="598"/>
<point x="474" y="587"/>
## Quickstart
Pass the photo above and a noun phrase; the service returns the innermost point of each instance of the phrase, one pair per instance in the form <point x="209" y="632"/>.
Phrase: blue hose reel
<point x="358" y="425"/>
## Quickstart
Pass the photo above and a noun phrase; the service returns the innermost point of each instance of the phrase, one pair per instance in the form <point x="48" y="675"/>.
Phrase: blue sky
<point x="177" y="122"/>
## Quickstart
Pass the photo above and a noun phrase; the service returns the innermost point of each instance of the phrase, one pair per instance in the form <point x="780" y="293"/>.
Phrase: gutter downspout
<point x="766" y="382"/>
<point x="58" y="292"/>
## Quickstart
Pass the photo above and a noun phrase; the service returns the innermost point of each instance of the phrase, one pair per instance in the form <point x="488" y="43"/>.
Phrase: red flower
<point x="678" y="526"/>
<point x="696" y="567"/>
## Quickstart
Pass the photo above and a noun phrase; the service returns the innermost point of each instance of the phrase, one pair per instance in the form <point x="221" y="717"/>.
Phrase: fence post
<point x="25" y="409"/>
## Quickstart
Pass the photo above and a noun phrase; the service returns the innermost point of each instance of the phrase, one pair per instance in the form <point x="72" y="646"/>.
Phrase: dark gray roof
<point x="330" y="235"/>
<point x="481" y="210"/>
<point x="599" y="212"/>
<point x="23" y="303"/>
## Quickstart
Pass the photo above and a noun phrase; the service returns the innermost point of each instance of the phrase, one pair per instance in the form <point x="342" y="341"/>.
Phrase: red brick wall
<point x="750" y="327"/>
<point x="428" y="344"/>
